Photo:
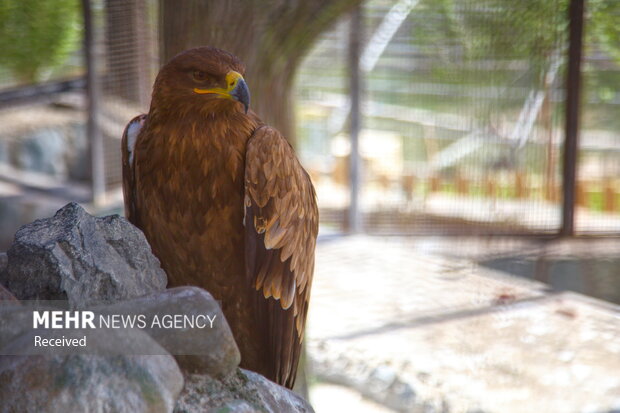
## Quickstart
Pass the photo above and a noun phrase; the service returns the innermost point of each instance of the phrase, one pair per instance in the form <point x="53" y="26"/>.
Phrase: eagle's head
<point x="204" y="79"/>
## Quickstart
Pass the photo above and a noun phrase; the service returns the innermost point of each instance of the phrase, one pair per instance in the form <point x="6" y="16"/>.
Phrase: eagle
<point x="225" y="205"/>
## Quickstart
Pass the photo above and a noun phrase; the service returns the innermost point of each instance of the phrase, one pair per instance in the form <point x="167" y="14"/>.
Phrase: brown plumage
<point x="225" y="205"/>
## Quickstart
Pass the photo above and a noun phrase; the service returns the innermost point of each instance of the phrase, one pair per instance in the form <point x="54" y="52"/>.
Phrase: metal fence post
<point x="93" y="132"/>
<point x="355" y="39"/>
<point x="571" y="142"/>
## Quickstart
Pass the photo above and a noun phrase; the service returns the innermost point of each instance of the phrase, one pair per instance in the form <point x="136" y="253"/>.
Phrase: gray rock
<point x="83" y="383"/>
<point x="5" y="295"/>
<point x="61" y="380"/>
<point x="43" y="150"/>
<point x="4" y="260"/>
<point x="10" y="219"/>
<point x="209" y="350"/>
<point x="78" y="160"/>
<point x="108" y="342"/>
<point x="15" y="320"/>
<point x="56" y="144"/>
<point x="244" y="392"/>
<point x="81" y="258"/>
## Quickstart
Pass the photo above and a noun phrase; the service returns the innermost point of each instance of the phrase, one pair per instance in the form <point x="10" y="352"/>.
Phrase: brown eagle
<point x="225" y="205"/>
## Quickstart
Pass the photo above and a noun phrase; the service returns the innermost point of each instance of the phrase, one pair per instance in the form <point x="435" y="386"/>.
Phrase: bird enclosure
<point x="457" y="139"/>
<point x="464" y="125"/>
<point x="96" y="66"/>
<point x="462" y="110"/>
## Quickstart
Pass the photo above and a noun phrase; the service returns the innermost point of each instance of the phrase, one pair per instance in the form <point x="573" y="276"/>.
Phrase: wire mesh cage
<point x="598" y="190"/>
<point x="463" y="108"/>
<point x="463" y="119"/>
<point x="43" y="70"/>
<point x="126" y="50"/>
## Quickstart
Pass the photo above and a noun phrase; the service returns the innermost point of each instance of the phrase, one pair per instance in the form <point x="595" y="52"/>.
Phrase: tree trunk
<point x="269" y="36"/>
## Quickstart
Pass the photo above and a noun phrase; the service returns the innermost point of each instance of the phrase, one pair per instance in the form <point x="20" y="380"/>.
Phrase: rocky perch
<point x="107" y="263"/>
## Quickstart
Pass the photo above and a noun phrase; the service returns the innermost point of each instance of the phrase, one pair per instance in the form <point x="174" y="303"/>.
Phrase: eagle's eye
<point x="199" y="75"/>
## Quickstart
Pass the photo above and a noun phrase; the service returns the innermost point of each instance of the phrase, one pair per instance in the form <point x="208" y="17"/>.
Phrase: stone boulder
<point x="89" y="383"/>
<point x="244" y="392"/>
<point x="4" y="259"/>
<point x="5" y="295"/>
<point x="96" y="378"/>
<point x="211" y="350"/>
<point x="83" y="259"/>
<point x="105" y="265"/>
<point x="44" y="150"/>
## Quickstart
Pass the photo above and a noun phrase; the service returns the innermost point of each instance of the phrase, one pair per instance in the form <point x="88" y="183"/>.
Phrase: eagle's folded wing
<point x="281" y="226"/>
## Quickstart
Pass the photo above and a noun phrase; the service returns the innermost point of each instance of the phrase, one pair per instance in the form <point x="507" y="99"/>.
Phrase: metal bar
<point x="371" y="53"/>
<point x="92" y="108"/>
<point x="571" y="142"/>
<point x="34" y="93"/>
<point x="355" y="86"/>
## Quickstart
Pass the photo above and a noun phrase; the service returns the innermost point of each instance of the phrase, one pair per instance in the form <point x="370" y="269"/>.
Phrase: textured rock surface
<point x="108" y="342"/>
<point x="14" y="321"/>
<point x="197" y="350"/>
<point x="242" y="392"/>
<point x="106" y="265"/>
<point x="81" y="258"/>
<point x="56" y="144"/>
<point x="44" y="150"/>
<point x="70" y="382"/>
<point x="4" y="259"/>
<point x="5" y="295"/>
<point x="81" y="383"/>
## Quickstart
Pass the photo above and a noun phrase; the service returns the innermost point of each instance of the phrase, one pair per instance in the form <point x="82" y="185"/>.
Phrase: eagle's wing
<point x="128" y="145"/>
<point x="281" y="226"/>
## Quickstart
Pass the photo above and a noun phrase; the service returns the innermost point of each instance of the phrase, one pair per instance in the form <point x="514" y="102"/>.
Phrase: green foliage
<point x="37" y="35"/>
<point x="524" y="29"/>
<point x="434" y="23"/>
<point x="500" y="38"/>
<point x="516" y="29"/>
<point x="499" y="29"/>
<point x="603" y="25"/>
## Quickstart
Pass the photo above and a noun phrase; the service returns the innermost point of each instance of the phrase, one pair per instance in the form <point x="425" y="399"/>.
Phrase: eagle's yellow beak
<point x="236" y="89"/>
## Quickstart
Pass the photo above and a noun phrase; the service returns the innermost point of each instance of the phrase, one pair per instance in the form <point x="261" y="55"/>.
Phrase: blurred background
<point x="466" y="156"/>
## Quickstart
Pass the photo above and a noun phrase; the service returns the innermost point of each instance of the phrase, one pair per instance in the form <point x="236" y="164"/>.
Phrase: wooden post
<point x="435" y="183"/>
<point x="462" y="185"/>
<point x="582" y="196"/>
<point x="95" y="138"/>
<point x="609" y="195"/>
<point x="355" y="86"/>
<point x="408" y="186"/>
<point x="521" y="190"/>
<point x="571" y="142"/>
<point x="490" y="189"/>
